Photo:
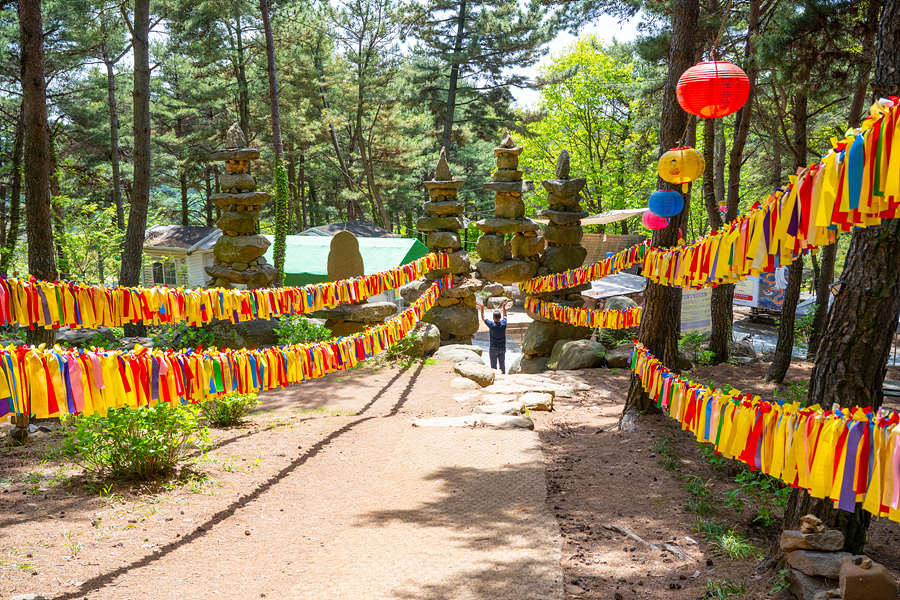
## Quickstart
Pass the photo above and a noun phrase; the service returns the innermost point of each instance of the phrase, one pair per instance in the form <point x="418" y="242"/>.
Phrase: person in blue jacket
<point x="497" y="329"/>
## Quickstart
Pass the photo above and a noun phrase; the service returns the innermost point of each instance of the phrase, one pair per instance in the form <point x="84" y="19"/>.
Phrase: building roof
<point x="360" y="228"/>
<point x="186" y="237"/>
<point x="306" y="256"/>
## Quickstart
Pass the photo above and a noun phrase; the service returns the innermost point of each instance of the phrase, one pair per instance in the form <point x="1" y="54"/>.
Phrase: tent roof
<point x="359" y="228"/>
<point x="306" y="257"/>
<point x="610" y="216"/>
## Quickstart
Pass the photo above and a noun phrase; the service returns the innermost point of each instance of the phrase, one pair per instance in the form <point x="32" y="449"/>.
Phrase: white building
<point x="178" y="254"/>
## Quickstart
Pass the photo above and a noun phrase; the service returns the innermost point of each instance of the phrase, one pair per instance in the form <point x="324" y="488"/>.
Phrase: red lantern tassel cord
<point x="846" y="455"/>
<point x="34" y="303"/>
<point x="49" y="383"/>
<point x="582" y="317"/>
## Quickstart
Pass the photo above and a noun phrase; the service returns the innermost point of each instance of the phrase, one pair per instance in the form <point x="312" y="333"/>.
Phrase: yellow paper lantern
<point x="681" y="165"/>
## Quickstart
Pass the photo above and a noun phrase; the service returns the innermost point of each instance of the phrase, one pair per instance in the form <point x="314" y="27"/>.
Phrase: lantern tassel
<point x="684" y="187"/>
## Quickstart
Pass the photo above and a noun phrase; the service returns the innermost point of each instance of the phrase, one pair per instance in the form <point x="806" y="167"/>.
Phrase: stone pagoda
<point x="564" y="251"/>
<point x="454" y="314"/>
<point x="239" y="252"/>
<point x="508" y="261"/>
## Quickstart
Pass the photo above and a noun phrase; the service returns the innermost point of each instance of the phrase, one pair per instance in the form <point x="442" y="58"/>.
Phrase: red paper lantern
<point x="713" y="89"/>
<point x="654" y="222"/>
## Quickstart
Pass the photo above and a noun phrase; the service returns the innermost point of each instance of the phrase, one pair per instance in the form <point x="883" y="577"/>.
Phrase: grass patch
<point x="722" y="589"/>
<point x="726" y="540"/>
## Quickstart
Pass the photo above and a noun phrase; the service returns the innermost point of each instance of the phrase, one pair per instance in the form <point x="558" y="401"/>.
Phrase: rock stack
<point x="239" y="253"/>
<point x="454" y="313"/>
<point x="346" y="262"/>
<point x="515" y="260"/>
<point x="819" y="570"/>
<point x="564" y="251"/>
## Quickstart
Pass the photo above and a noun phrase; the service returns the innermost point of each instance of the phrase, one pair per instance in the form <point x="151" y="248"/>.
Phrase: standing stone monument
<point x="454" y="313"/>
<point x="239" y="252"/>
<point x="345" y="262"/>
<point x="564" y="251"/>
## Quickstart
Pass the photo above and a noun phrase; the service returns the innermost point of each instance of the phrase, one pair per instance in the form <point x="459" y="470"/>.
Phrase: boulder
<point x="259" y="333"/>
<point x="508" y="271"/>
<point x="620" y="303"/>
<point x="80" y="337"/>
<point x="463" y="384"/>
<point x="576" y="354"/>
<point x="242" y="248"/>
<point x="537" y="400"/>
<point x="260" y="276"/>
<point x="862" y="579"/>
<point x="684" y="363"/>
<point x="620" y="358"/>
<point x="817" y="563"/>
<point x="464" y="286"/>
<point x="831" y="540"/>
<point x="562" y="258"/>
<point x="495" y="302"/>
<point x="527" y="245"/>
<point x="443" y="240"/>
<point x="491" y="248"/>
<point x="506" y="174"/>
<point x="506" y="422"/>
<point x="509" y="187"/>
<point x="455" y="207"/>
<point x="481" y="374"/>
<point x="565" y="235"/>
<point x="540" y="337"/>
<point x="457" y="354"/>
<point x="236" y="182"/>
<point x="246" y="199"/>
<point x="459" y="263"/>
<point x="424" y="340"/>
<point x="578" y="303"/>
<point x="565" y="188"/>
<point x="509" y="206"/>
<point x="345" y="328"/>
<point x="366" y="312"/>
<point x="413" y="290"/>
<point x="497" y="398"/>
<point x="804" y="587"/>
<point x="500" y="225"/>
<point x="235" y="154"/>
<point x="494" y="289"/>
<point x="435" y="223"/>
<point x="562" y="217"/>
<point x="244" y="221"/>
<point x="741" y="349"/>
<point x="459" y="320"/>
<point x="501" y="408"/>
<point x="469" y="347"/>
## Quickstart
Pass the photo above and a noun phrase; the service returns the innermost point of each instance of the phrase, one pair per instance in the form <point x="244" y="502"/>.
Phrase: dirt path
<point x="318" y="506"/>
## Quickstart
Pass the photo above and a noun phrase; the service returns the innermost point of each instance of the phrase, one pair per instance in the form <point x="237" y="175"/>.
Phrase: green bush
<point x="144" y="444"/>
<point x="229" y="410"/>
<point x="182" y="337"/>
<point x="297" y="329"/>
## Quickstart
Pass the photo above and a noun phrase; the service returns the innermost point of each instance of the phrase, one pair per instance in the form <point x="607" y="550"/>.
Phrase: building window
<point x="164" y="273"/>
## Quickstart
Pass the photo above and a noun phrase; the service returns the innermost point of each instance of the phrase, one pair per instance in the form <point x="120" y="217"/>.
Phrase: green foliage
<point x="797" y="391"/>
<point x="281" y="220"/>
<point x="708" y="451"/>
<point x="691" y="345"/>
<point x="142" y="444"/>
<point x="229" y="410"/>
<point x="723" y="589"/>
<point x="804" y="326"/>
<point x="398" y="354"/>
<point x="726" y="539"/>
<point x="761" y="491"/>
<point x="297" y="329"/>
<point x="182" y="337"/>
<point x="612" y="338"/>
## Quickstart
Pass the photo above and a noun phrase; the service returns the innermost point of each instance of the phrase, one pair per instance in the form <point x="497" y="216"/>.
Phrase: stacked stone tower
<point x="508" y="261"/>
<point x="454" y="313"/>
<point x="564" y="251"/>
<point x="239" y="253"/>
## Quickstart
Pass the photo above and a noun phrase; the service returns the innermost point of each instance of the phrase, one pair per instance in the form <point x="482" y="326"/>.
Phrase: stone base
<point x="508" y="271"/>
<point x="345" y="328"/>
<point x="458" y="321"/>
<point x="259" y="333"/>
<point x="262" y="276"/>
<point x="364" y="312"/>
<point x="529" y="366"/>
<point x="541" y="337"/>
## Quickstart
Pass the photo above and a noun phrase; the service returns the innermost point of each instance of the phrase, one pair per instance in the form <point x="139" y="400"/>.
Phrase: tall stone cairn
<point x="564" y="251"/>
<point x="454" y="313"/>
<point x="239" y="253"/>
<point x="508" y="261"/>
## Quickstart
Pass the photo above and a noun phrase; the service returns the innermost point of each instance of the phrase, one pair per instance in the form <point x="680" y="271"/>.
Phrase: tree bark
<point x="130" y="271"/>
<point x="208" y="203"/>
<point x="114" y="139"/>
<point x="185" y="208"/>
<point x="720" y="301"/>
<point x="37" y="162"/>
<point x="823" y="294"/>
<point x="660" y="321"/>
<point x="15" y="197"/>
<point x="454" y="77"/>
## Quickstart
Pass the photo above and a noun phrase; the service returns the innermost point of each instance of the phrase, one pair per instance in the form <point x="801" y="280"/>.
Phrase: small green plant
<point x="142" y="444"/>
<point x="699" y="506"/>
<point x="182" y="337"/>
<point x="779" y="582"/>
<point x="401" y="353"/>
<point x="691" y="342"/>
<point x="229" y="410"/>
<point x="765" y="493"/>
<point x="795" y="392"/>
<point x="726" y="540"/>
<point x="708" y="451"/>
<point x="297" y="329"/>
<point x="723" y="589"/>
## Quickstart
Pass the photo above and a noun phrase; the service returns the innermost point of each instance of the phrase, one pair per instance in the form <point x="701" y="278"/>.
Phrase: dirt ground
<point x="268" y="495"/>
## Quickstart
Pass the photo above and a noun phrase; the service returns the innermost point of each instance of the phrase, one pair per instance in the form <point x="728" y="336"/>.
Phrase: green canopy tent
<point x="306" y="257"/>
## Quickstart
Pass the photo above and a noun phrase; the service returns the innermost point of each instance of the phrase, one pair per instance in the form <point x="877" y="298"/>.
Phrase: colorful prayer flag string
<point x="51" y="382"/>
<point x="583" y="317"/>
<point x="33" y="303"/>
<point x="848" y="455"/>
<point x="598" y="270"/>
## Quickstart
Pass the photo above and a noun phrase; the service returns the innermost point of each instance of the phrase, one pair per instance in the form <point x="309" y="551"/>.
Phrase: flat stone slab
<point x="367" y="312"/>
<point x="793" y="539"/>
<point x="537" y="400"/>
<point x="481" y="374"/>
<point x="506" y="225"/>
<point x="501" y="408"/>
<point x="461" y="383"/>
<point x="455" y="207"/>
<point x="456" y="356"/>
<point x="510" y="187"/>
<point x="470" y="347"/>
<point x="235" y="154"/>
<point x="508" y="271"/>
<point x="817" y="563"/>
<point x="499" y="421"/>
<point x="562" y="218"/>
<point x="245" y="199"/>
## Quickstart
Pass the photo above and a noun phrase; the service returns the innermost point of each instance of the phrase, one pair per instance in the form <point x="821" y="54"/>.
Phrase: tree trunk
<point x="302" y="185"/>
<point x="317" y="61"/>
<point x="114" y="140"/>
<point x="659" y="320"/>
<point x="823" y="294"/>
<point x="454" y="77"/>
<point x="208" y="204"/>
<point x="130" y="271"/>
<point x="36" y="158"/>
<point x="720" y="315"/>
<point x="185" y="208"/>
<point x="15" y="194"/>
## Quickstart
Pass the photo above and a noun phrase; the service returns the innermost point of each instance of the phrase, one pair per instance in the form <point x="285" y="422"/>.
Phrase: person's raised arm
<point x="503" y="308"/>
<point x="481" y="309"/>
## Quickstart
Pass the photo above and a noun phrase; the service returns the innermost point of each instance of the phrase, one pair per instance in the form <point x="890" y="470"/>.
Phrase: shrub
<point x="228" y="410"/>
<point x="182" y="337"/>
<point x="297" y="329"/>
<point x="144" y="443"/>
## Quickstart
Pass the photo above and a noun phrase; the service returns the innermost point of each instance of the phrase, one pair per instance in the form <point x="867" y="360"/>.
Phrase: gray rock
<point x="502" y="421"/>
<point x="246" y="199"/>
<point x="235" y="154"/>
<point x="367" y="312"/>
<point x="562" y="258"/>
<point x="527" y="245"/>
<point x="529" y="366"/>
<point x="424" y="338"/>
<point x="481" y="374"/>
<point x="495" y="302"/>
<point x="463" y="384"/>
<point x="494" y="289"/>
<point x="499" y="225"/>
<point x="620" y="357"/>
<point x="235" y="138"/>
<point x="455" y="207"/>
<point x="828" y="594"/>
<point x="459" y="263"/>
<point x="804" y="587"/>
<point x="443" y="240"/>
<point x="562" y="217"/>
<point x="566" y="235"/>
<point x="80" y="337"/>
<point x="436" y="223"/>
<point x="236" y="182"/>
<point x="620" y="303"/>
<point x="564" y="187"/>
<point x="458" y="320"/>
<point x="491" y="248"/>
<point x="259" y="333"/>
<point x="577" y="354"/>
<point x="509" y="206"/>
<point x="413" y="290"/>
<point x="508" y="271"/>
<point x="831" y="540"/>
<point x="540" y="337"/>
<point x="262" y="277"/>
<point x="244" y="221"/>
<point x="510" y="187"/>
<point x="242" y="248"/>
<point x="817" y="563"/>
<point x="501" y="408"/>
<point x="743" y="349"/>
<point x="457" y="355"/>
<point x="537" y="400"/>
<point x="468" y="347"/>
<point x="684" y="363"/>
<point x="506" y="422"/>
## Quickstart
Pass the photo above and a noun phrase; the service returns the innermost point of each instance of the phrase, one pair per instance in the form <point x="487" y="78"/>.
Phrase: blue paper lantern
<point x="666" y="203"/>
